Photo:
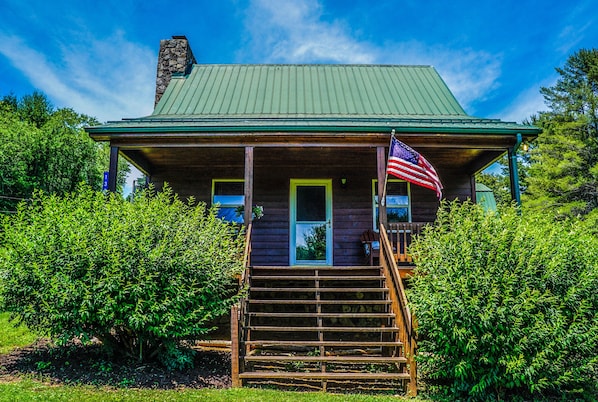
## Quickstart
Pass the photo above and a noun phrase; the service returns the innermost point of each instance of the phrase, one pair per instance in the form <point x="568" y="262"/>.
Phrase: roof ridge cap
<point x="314" y="65"/>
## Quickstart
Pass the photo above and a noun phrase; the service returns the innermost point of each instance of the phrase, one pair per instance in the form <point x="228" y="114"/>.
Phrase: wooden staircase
<point x="320" y="327"/>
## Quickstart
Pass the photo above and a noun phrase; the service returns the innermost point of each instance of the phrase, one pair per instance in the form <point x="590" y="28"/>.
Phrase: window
<point x="398" y="201"/>
<point x="229" y="193"/>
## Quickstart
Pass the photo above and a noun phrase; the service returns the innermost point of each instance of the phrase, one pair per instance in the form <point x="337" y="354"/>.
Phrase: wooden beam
<point x="113" y="169"/>
<point x="234" y="346"/>
<point x="281" y="139"/>
<point x="381" y="169"/>
<point x="248" y="190"/>
<point x="482" y="162"/>
<point x="136" y="158"/>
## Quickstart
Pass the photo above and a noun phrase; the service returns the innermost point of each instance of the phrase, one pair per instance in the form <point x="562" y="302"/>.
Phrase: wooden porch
<point x="332" y="328"/>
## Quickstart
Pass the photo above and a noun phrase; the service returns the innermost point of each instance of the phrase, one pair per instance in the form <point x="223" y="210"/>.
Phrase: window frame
<point x="214" y="181"/>
<point x="375" y="204"/>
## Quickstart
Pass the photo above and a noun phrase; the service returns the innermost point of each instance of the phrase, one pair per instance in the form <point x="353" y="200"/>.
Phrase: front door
<point x="311" y="222"/>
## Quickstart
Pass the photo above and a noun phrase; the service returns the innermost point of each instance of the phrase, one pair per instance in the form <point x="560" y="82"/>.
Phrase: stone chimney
<point x="175" y="57"/>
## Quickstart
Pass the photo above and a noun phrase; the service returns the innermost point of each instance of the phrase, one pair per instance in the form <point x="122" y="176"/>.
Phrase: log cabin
<point x="308" y="145"/>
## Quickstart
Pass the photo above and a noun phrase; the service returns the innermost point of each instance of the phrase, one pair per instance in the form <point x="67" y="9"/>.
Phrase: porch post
<point x="513" y="173"/>
<point x="381" y="169"/>
<point x="472" y="186"/>
<point x="113" y="169"/>
<point x="248" y="190"/>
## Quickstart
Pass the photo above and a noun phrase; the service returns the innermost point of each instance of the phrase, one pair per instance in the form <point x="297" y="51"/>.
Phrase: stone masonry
<point x="175" y="57"/>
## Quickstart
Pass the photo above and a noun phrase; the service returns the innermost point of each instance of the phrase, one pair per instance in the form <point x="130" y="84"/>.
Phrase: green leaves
<point x="564" y="166"/>
<point x="46" y="149"/>
<point x="507" y="304"/>
<point x="136" y="275"/>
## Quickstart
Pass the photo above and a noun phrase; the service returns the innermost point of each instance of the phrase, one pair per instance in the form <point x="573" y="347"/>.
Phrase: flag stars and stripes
<point x="407" y="164"/>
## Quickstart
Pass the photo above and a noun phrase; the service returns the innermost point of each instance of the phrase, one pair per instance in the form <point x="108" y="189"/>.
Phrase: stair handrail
<point x="246" y="257"/>
<point x="238" y="315"/>
<point x="400" y="305"/>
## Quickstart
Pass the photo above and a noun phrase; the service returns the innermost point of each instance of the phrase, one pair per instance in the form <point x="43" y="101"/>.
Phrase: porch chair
<point x="371" y="246"/>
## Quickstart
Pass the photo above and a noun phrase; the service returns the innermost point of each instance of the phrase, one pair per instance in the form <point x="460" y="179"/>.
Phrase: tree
<point x="564" y="171"/>
<point x="35" y="108"/>
<point x="141" y="276"/>
<point x="315" y="245"/>
<point x="42" y="148"/>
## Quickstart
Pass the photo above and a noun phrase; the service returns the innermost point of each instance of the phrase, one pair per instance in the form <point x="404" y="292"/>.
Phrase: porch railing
<point x="398" y="298"/>
<point x="400" y="235"/>
<point x="237" y="314"/>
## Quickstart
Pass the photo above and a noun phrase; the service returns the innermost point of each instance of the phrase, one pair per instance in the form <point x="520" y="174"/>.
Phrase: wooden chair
<point x="371" y="245"/>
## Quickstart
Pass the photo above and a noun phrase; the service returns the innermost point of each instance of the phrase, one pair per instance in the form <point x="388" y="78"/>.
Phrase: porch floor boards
<point x="326" y="327"/>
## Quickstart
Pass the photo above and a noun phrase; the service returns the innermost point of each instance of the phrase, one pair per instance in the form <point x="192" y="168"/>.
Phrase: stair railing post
<point x="234" y="346"/>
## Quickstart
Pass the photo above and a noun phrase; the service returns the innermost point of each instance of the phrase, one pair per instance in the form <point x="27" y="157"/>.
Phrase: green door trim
<point x="327" y="184"/>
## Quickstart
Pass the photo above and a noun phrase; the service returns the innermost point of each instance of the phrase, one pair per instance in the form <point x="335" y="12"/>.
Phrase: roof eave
<point x="106" y="131"/>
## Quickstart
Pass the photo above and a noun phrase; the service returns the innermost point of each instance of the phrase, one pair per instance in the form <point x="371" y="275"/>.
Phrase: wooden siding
<point x="273" y="169"/>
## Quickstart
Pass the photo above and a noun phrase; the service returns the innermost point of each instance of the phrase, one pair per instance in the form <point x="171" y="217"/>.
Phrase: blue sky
<point x="99" y="57"/>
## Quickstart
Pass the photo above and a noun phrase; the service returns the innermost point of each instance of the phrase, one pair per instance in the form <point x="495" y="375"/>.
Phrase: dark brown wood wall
<point x="273" y="169"/>
<point x="352" y="212"/>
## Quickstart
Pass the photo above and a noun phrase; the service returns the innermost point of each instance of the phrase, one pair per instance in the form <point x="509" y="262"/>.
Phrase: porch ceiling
<point x="152" y="159"/>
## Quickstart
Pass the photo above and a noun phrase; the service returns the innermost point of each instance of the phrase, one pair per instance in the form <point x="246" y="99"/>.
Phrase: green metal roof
<point x="485" y="197"/>
<point x="309" y="98"/>
<point x="308" y="90"/>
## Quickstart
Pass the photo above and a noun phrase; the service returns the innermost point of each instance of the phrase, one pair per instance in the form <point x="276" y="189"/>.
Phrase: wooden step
<point x="321" y="290"/>
<point x="317" y="278"/>
<point x="330" y="359"/>
<point x="268" y="328"/>
<point x="324" y="376"/>
<point x="366" y="302"/>
<point x="322" y="315"/>
<point x="315" y="268"/>
<point x="331" y="344"/>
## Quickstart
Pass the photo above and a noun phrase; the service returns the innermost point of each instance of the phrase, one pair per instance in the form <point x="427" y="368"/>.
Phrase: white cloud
<point x="470" y="74"/>
<point x="528" y="103"/>
<point x="108" y="79"/>
<point x="573" y="29"/>
<point x="296" y="32"/>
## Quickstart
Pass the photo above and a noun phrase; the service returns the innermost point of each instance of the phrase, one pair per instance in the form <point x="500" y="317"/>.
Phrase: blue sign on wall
<point x="105" y="184"/>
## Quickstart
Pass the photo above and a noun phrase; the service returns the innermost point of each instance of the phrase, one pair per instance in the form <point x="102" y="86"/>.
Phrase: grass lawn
<point x="11" y="337"/>
<point x="30" y="390"/>
<point x="36" y="389"/>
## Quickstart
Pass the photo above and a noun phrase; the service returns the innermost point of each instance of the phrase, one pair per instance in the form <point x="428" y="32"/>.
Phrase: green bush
<point x="507" y="305"/>
<point x="140" y="276"/>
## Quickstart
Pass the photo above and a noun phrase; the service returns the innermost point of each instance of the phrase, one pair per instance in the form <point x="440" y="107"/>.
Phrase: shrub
<point x="140" y="276"/>
<point x="507" y="305"/>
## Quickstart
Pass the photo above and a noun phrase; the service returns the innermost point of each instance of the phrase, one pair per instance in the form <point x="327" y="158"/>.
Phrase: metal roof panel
<point x="320" y="90"/>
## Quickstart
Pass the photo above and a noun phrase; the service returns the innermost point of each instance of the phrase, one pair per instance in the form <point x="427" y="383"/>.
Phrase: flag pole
<point x="383" y="199"/>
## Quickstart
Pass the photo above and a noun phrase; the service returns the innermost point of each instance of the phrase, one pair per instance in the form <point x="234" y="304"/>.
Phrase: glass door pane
<point x="311" y="203"/>
<point x="311" y="242"/>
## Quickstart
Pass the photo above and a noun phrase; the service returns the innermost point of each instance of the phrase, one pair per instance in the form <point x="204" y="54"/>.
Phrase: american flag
<point x="407" y="164"/>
